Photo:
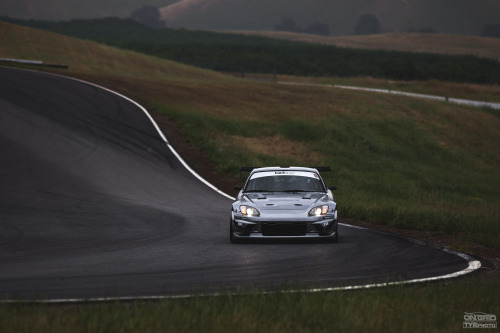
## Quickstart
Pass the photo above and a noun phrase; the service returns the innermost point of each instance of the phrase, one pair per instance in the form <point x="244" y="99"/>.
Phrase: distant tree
<point x="492" y="30"/>
<point x="148" y="15"/>
<point x="318" y="28"/>
<point x="367" y="25"/>
<point x="286" y="24"/>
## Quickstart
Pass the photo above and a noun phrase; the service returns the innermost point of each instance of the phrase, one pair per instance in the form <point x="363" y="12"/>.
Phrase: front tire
<point x="232" y="237"/>
<point x="335" y="238"/>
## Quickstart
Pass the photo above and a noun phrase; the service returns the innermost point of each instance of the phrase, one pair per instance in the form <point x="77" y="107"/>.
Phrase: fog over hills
<point x="340" y="16"/>
<point x="444" y="16"/>
<point x="62" y="10"/>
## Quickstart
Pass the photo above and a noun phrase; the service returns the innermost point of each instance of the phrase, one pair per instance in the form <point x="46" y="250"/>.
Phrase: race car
<point x="284" y="202"/>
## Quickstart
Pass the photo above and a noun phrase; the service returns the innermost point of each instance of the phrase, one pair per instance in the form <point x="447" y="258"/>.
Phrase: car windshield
<point x="284" y="181"/>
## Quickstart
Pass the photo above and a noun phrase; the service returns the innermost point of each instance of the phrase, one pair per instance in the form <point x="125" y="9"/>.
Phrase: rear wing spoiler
<point x="247" y="169"/>
<point x="323" y="169"/>
<point x="319" y="168"/>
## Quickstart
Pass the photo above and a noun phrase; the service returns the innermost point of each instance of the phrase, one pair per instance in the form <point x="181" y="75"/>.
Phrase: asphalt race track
<point x="94" y="204"/>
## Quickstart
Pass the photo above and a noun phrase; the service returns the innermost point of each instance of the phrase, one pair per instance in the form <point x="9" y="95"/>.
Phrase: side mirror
<point x="333" y="188"/>
<point x="238" y="187"/>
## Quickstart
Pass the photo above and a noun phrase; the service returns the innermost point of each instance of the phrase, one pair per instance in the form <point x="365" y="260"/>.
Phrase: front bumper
<point x="316" y="227"/>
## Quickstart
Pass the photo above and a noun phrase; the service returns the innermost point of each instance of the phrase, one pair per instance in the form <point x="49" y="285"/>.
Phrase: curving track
<point x="94" y="204"/>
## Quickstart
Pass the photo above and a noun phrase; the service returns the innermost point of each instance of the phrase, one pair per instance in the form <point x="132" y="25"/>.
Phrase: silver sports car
<point x="278" y="202"/>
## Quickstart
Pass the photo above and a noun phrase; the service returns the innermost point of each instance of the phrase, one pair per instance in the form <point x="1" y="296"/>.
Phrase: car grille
<point x="284" y="229"/>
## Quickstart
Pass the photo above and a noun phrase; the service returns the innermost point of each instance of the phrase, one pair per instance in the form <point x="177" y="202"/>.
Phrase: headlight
<point x="318" y="211"/>
<point x="249" y="211"/>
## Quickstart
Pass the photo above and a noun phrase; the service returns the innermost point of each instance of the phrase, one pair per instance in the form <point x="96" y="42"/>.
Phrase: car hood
<point x="284" y="201"/>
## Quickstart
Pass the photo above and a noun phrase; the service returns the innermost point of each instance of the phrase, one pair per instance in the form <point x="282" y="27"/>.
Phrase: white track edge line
<point x="164" y="138"/>
<point x="473" y="264"/>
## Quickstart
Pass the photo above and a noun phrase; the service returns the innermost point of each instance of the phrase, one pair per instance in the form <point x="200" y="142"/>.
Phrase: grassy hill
<point x="87" y="57"/>
<point x="486" y="47"/>
<point x="255" y="54"/>
<point x="444" y="16"/>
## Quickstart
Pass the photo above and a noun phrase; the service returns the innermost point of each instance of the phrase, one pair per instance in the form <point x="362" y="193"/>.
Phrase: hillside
<point x="254" y="54"/>
<point x="87" y="57"/>
<point x="486" y="47"/>
<point x="72" y="9"/>
<point x="444" y="16"/>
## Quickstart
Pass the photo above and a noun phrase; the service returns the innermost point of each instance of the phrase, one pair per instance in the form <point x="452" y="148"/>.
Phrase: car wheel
<point x="232" y="238"/>
<point x="335" y="238"/>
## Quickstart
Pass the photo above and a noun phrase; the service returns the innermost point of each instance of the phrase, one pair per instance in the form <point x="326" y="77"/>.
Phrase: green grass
<point x="408" y="163"/>
<point x="393" y="309"/>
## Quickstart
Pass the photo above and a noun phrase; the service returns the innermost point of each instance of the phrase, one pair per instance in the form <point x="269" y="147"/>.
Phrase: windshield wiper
<point x="294" y="191"/>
